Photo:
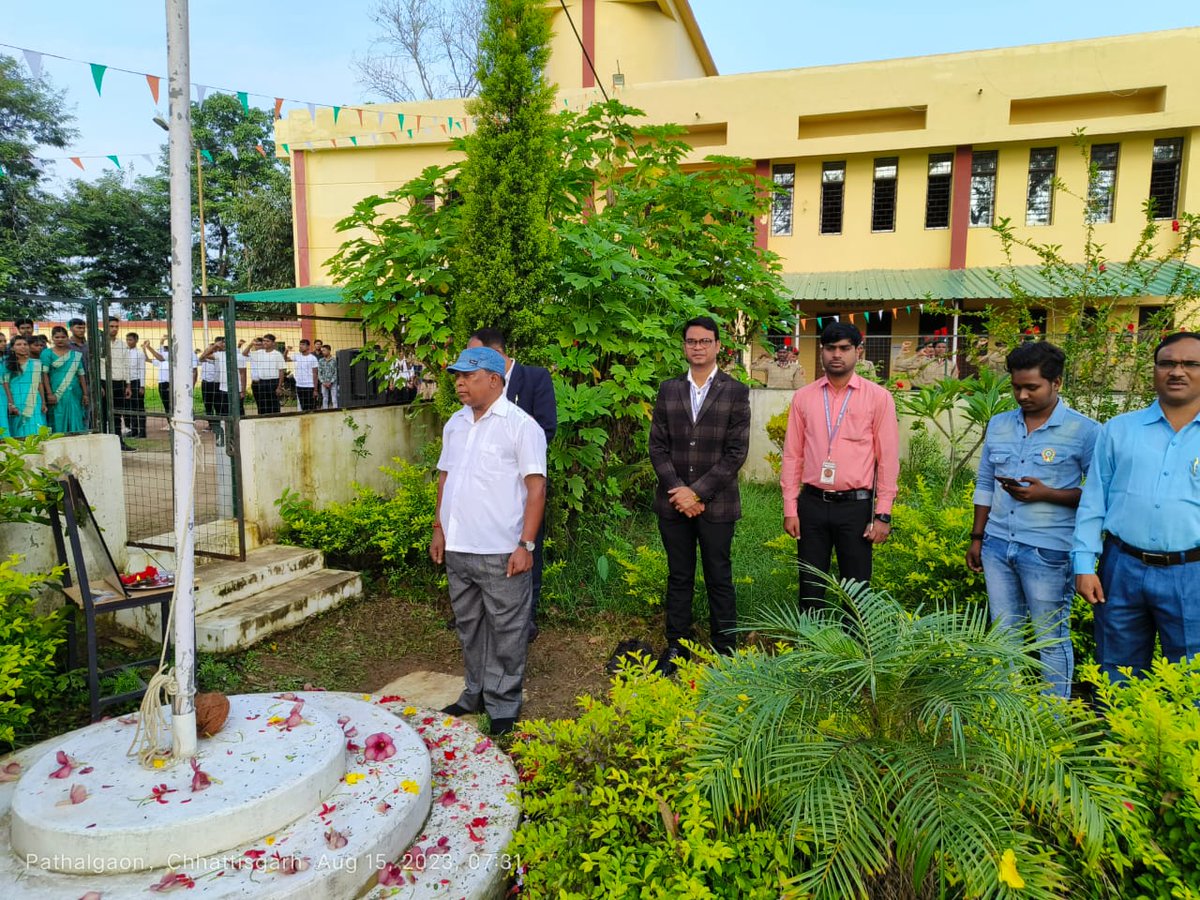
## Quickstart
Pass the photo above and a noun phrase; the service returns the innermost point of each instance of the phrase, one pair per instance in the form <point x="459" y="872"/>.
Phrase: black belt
<point x="1156" y="558"/>
<point x="836" y="496"/>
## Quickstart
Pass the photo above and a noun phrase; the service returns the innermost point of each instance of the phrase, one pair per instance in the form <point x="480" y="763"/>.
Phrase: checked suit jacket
<point x="705" y="455"/>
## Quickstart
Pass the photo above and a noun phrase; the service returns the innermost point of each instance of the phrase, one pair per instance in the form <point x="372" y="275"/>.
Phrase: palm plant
<point x="908" y="753"/>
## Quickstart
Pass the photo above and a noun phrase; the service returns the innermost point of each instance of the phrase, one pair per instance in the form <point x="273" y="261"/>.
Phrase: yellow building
<point x="893" y="169"/>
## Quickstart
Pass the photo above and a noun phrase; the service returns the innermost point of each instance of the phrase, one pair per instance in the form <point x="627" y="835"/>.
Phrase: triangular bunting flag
<point x="418" y="123"/>
<point x="449" y="123"/>
<point x="867" y="315"/>
<point x="395" y="136"/>
<point x="244" y="99"/>
<point x="3" y="171"/>
<point x="207" y="155"/>
<point x="336" y="111"/>
<point x="400" y="118"/>
<point x="333" y="140"/>
<point x="851" y="317"/>
<point x="233" y="151"/>
<point x="312" y="111"/>
<point x="33" y="59"/>
<point x="148" y="158"/>
<point x="908" y="309"/>
<point x="879" y="313"/>
<point x="98" y="75"/>
<point x="287" y="151"/>
<point x="153" y="82"/>
<point x="804" y="324"/>
<point x="837" y="318"/>
<point x="116" y="162"/>
<point x="278" y="107"/>
<point x="443" y="127"/>
<point x="819" y="319"/>
<point x="410" y="133"/>
<point x="78" y="162"/>
<point x="260" y="150"/>
<point x="201" y="93"/>
<point x="359" y="111"/>
<point x="354" y="140"/>
<point x="922" y="307"/>
<point x="379" y="124"/>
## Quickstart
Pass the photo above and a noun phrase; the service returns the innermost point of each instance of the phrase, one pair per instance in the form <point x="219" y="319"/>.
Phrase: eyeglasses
<point x="1191" y="366"/>
<point x="699" y="342"/>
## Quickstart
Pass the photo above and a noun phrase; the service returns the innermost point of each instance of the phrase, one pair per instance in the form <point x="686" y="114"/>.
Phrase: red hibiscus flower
<point x="200" y="780"/>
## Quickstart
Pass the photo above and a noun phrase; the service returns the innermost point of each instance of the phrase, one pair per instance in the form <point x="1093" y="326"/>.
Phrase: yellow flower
<point x="275" y="720"/>
<point x="366" y="696"/>
<point x="447" y="722"/>
<point x="410" y="710"/>
<point x="411" y="786"/>
<point x="1008" y="870"/>
<point x="354" y="777"/>
<point x="269" y="839"/>
<point x="159" y="763"/>
<point x="743" y="698"/>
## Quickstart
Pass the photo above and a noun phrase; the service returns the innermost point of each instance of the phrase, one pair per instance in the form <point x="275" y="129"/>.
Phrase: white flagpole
<point x="183" y="432"/>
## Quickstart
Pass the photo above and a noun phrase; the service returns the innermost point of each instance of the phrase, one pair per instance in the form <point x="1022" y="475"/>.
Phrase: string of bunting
<point x="34" y="59"/>
<point x="865" y="313"/>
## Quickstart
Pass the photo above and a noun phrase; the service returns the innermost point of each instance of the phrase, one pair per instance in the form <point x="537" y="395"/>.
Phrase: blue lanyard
<point x="830" y="428"/>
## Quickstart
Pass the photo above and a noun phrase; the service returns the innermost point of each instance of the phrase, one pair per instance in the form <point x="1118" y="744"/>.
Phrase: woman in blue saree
<point x="68" y="383"/>
<point x="26" y="388"/>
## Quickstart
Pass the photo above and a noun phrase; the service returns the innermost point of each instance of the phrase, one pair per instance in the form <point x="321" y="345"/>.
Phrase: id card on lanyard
<point x="829" y="467"/>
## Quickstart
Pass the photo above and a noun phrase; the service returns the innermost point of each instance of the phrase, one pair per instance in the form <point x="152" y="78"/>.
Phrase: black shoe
<point x="452" y="624"/>
<point x="501" y="727"/>
<point x="533" y="631"/>
<point x="668" y="662"/>
<point x="127" y="448"/>
<point x="455" y="709"/>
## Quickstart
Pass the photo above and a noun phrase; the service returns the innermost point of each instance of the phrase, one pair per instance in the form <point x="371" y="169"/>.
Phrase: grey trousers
<point x="491" y="612"/>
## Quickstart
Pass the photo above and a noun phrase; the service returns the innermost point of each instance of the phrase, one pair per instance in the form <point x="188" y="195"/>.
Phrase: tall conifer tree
<point x="507" y="248"/>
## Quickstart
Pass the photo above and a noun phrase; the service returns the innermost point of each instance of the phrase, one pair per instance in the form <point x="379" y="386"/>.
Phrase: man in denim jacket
<point x="1030" y="472"/>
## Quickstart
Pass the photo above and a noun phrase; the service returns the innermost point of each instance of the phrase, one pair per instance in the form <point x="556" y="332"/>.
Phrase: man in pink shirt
<point x="841" y="459"/>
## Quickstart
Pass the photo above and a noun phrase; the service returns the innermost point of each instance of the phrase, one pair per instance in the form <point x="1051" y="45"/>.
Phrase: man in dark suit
<point x="699" y="437"/>
<point x="530" y="388"/>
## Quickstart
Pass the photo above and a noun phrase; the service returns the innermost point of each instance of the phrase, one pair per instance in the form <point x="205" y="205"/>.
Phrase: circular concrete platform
<point x="88" y="807"/>
<point x="442" y="833"/>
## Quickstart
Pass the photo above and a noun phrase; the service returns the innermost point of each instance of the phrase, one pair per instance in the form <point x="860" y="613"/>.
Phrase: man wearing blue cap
<point x="490" y="501"/>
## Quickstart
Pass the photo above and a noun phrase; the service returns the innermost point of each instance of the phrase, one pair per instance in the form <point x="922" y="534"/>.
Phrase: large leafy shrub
<point x="610" y="811"/>
<point x="923" y="564"/>
<point x="910" y="753"/>
<point x="373" y="529"/>
<point x="1154" y="735"/>
<point x="28" y="644"/>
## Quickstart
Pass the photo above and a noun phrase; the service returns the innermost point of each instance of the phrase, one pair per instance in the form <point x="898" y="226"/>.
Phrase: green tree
<point x="120" y="231"/>
<point x="914" y="753"/>
<point x="247" y="197"/>
<point x="506" y="258"/>
<point x="34" y="258"/>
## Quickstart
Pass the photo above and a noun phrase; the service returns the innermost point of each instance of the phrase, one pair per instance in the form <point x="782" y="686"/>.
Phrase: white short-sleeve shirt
<point x="265" y="365"/>
<point x="303" y="367"/>
<point x="486" y="463"/>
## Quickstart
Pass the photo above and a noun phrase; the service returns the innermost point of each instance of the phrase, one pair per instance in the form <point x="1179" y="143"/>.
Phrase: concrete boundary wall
<point x="313" y="455"/>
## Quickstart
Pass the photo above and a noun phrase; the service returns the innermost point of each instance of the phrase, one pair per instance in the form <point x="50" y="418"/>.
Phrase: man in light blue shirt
<point x="1036" y="457"/>
<point x="1140" y="514"/>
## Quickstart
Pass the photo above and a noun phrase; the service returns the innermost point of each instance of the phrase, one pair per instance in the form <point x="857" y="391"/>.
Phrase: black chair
<point x="97" y="593"/>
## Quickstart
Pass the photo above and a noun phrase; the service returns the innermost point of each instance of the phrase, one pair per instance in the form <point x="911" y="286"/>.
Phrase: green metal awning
<point x="315" y="293"/>
<point x="918" y="285"/>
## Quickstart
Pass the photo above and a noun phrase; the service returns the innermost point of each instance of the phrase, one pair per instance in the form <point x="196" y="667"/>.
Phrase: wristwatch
<point x="529" y="545"/>
<point x="885" y="518"/>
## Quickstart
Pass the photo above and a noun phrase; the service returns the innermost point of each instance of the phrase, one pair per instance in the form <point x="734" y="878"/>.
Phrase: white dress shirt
<point x="265" y="365"/>
<point x="700" y="391"/>
<point x="118" y="352"/>
<point x="486" y="463"/>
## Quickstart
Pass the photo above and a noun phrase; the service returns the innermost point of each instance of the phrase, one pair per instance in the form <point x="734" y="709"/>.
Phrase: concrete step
<point x="221" y="582"/>
<point x="244" y="622"/>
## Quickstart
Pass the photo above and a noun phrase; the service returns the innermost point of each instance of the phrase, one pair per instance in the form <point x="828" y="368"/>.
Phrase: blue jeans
<point x="1032" y="583"/>
<point x="1140" y="601"/>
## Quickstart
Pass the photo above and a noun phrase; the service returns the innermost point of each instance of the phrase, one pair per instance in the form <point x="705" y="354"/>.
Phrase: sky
<point x="304" y="49"/>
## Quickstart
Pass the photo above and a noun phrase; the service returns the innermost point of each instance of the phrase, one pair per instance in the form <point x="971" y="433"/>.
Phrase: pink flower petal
<point x="65" y="765"/>
<point x="335" y="840"/>
<point x="200" y="780"/>
<point x="382" y="806"/>
<point x="484" y="744"/>
<point x="91" y="895"/>
<point x="391" y="875"/>
<point x="449" y="798"/>
<point x="10" y="772"/>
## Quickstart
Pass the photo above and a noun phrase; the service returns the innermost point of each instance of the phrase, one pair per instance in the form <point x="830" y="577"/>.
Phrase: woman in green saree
<point x="27" y="389"/>
<point x="68" y="383"/>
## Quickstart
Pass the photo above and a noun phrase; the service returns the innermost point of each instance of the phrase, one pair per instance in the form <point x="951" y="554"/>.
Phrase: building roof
<point x="906" y="285"/>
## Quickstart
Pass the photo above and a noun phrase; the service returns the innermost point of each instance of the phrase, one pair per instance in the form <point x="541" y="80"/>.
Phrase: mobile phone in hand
<point x="1009" y="482"/>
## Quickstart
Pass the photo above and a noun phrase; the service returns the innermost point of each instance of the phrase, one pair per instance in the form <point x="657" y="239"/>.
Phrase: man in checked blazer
<point x="699" y="436"/>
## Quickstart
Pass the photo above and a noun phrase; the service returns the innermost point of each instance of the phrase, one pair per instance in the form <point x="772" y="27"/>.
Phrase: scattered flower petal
<point x="335" y="840"/>
<point x="77" y="795"/>
<point x="171" y="881"/>
<point x="411" y="786"/>
<point x="379" y="747"/>
<point x="200" y="780"/>
<point x="354" y="777"/>
<point x="382" y="806"/>
<point x="410" y="710"/>
<point x="66" y="765"/>
<point x="449" y="798"/>
<point x="485" y="744"/>
<point x="391" y="875"/>
<point x="10" y="772"/>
